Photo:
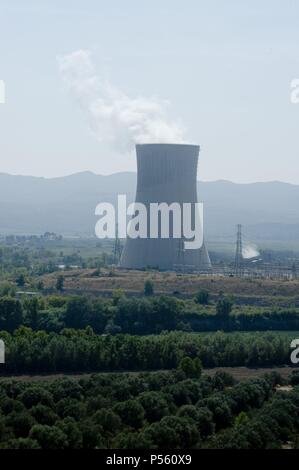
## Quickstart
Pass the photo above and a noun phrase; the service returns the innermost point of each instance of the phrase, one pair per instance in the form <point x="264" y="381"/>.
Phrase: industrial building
<point x="165" y="173"/>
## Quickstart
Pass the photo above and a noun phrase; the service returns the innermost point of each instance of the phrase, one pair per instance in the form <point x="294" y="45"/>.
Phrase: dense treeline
<point x="139" y="316"/>
<point x="177" y="410"/>
<point x="276" y="423"/>
<point x="83" y="350"/>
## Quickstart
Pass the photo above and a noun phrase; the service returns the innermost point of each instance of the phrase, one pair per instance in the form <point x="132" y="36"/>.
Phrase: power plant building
<point x="166" y="173"/>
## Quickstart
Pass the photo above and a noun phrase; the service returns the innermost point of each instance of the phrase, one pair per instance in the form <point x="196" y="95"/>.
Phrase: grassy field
<point x="170" y="282"/>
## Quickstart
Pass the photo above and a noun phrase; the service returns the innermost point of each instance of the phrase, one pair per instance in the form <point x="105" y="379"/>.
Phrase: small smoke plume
<point x="250" y="251"/>
<point x="114" y="117"/>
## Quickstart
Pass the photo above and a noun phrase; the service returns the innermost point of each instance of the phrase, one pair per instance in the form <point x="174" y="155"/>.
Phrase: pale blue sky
<point x="225" y="67"/>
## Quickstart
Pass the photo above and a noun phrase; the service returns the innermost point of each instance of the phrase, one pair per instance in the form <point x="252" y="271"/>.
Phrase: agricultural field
<point x="171" y="283"/>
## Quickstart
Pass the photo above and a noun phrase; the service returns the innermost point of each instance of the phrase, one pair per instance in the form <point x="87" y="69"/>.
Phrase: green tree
<point x="131" y="413"/>
<point x="21" y="280"/>
<point x="132" y="440"/>
<point x="109" y="420"/>
<point x="148" y="287"/>
<point x="71" y="429"/>
<point x="162" y="436"/>
<point x="92" y="434"/>
<point x="77" y="312"/>
<point x="44" y="414"/>
<point x="185" y="429"/>
<point x="34" y="395"/>
<point x="7" y="290"/>
<point x="190" y="367"/>
<point x="224" y="307"/>
<point x="173" y="432"/>
<point x="294" y="377"/>
<point x="111" y="328"/>
<point x="221" y="409"/>
<point x="154" y="404"/>
<point x="205" y="423"/>
<point x="11" y="313"/>
<point x="60" y="283"/>
<point x="40" y="285"/>
<point x="20" y="422"/>
<point x="22" y="443"/>
<point x="32" y="306"/>
<point x="81" y="312"/>
<point x="49" y="437"/>
<point x="117" y="295"/>
<point x="202" y="297"/>
<point x="242" y="418"/>
<point x="69" y="407"/>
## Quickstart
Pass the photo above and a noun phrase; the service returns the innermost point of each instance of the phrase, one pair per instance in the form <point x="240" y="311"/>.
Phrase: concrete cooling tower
<point x="165" y="173"/>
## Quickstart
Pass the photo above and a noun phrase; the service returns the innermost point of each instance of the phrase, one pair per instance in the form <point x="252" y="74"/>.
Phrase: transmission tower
<point x="239" y="268"/>
<point x="294" y="271"/>
<point x="181" y="255"/>
<point x="116" y="248"/>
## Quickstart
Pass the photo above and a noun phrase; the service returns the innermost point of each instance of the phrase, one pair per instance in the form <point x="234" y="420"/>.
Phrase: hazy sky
<point x="225" y="68"/>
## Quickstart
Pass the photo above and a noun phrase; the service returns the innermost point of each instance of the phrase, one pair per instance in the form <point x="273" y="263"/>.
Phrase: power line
<point x="239" y="268"/>
<point x="116" y="248"/>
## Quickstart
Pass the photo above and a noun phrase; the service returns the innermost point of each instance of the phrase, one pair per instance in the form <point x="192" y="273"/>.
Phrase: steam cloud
<point x="113" y="116"/>
<point x="250" y="251"/>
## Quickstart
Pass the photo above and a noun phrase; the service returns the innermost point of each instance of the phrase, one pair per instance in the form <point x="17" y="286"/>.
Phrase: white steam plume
<point x="250" y="251"/>
<point x="113" y="116"/>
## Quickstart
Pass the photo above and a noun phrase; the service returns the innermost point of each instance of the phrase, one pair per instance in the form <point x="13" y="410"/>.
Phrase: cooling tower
<point x="165" y="173"/>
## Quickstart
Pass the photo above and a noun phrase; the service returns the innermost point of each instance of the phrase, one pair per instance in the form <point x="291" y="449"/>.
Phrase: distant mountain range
<point x="65" y="205"/>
